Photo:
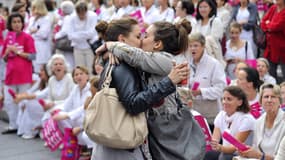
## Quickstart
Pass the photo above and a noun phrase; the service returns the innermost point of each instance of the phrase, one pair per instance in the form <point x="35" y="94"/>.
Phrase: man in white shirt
<point x="82" y="32"/>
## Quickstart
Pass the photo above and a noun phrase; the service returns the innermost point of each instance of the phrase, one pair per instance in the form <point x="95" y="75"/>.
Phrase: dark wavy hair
<point x="240" y="95"/>
<point x="213" y="6"/>
<point x="11" y="17"/>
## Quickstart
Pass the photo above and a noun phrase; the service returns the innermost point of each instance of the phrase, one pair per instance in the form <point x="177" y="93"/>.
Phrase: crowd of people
<point x="55" y="55"/>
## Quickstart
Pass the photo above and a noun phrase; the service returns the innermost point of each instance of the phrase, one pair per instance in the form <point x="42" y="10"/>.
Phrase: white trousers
<point x="9" y="106"/>
<point x="84" y="57"/>
<point x="30" y="117"/>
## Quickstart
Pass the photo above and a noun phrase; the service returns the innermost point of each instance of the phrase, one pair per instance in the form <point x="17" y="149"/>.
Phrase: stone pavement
<point x="13" y="147"/>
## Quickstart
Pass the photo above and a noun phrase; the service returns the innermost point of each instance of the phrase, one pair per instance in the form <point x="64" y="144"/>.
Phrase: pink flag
<point x="138" y="16"/>
<point x="52" y="134"/>
<point x="232" y="140"/>
<point x="204" y="125"/>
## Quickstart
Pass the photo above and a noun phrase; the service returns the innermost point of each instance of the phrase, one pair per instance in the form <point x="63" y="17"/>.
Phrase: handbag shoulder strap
<point x="108" y="76"/>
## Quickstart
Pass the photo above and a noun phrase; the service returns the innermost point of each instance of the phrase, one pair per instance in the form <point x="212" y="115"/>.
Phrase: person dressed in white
<point x="124" y="10"/>
<point x="223" y="13"/>
<point x="149" y="12"/>
<point x="237" y="50"/>
<point x="269" y="129"/>
<point x="212" y="79"/>
<point x="262" y="69"/>
<point x="72" y="114"/>
<point x="32" y="110"/>
<point x="98" y="7"/>
<point x="166" y="12"/>
<point x="207" y="22"/>
<point x="67" y="8"/>
<point x="40" y="29"/>
<point x="82" y="32"/>
<point x="234" y="119"/>
<point x="246" y="14"/>
<point x="60" y="85"/>
<point x="210" y="26"/>
<point x="184" y="10"/>
<point x="110" y="11"/>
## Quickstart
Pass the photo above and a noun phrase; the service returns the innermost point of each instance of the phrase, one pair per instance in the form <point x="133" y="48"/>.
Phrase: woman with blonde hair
<point x="237" y="49"/>
<point x="269" y="128"/>
<point x="40" y="29"/>
<point x="263" y="71"/>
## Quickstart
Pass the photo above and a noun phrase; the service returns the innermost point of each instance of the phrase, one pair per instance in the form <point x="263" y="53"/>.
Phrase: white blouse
<point x="238" y="122"/>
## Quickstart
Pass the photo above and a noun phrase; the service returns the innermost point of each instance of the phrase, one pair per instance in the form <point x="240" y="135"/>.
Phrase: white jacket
<point x="211" y="76"/>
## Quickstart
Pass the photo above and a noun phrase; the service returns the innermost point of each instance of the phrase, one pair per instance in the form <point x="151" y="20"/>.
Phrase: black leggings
<point x="215" y="155"/>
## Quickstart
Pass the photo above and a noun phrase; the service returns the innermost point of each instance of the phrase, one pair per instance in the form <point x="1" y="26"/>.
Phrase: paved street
<point x="13" y="147"/>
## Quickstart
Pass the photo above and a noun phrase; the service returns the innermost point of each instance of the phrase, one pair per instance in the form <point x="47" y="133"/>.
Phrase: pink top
<point x="2" y="28"/>
<point x="19" y="70"/>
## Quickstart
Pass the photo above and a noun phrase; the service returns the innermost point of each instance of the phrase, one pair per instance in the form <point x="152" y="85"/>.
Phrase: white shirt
<point x="81" y="31"/>
<point x="238" y="122"/>
<point x="64" y="27"/>
<point x="243" y="15"/>
<point x="213" y="28"/>
<point x="225" y="16"/>
<point x="233" y="53"/>
<point x="42" y="38"/>
<point x="151" y="15"/>
<point x="167" y="15"/>
<point x="76" y="98"/>
<point x="269" y="79"/>
<point x="123" y="11"/>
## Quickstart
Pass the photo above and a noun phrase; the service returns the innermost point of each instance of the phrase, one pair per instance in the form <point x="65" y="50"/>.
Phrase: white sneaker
<point x="28" y="136"/>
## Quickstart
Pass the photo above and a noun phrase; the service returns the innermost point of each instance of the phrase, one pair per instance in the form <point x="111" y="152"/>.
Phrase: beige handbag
<point x="106" y="121"/>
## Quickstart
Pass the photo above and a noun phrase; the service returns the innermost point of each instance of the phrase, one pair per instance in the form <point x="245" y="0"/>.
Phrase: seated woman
<point x="74" y="103"/>
<point x="59" y="86"/>
<point x="75" y="117"/>
<point x="33" y="111"/>
<point x="263" y="68"/>
<point x="235" y="119"/>
<point x="248" y="80"/>
<point x="269" y="128"/>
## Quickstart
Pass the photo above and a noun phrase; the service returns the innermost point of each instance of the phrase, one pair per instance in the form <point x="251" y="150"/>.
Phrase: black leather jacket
<point x="135" y="96"/>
